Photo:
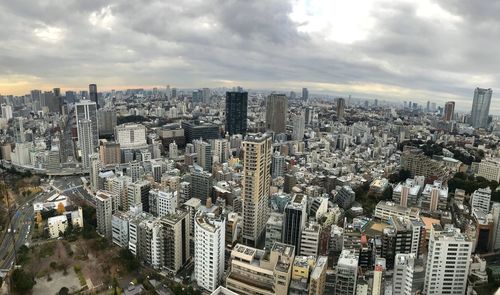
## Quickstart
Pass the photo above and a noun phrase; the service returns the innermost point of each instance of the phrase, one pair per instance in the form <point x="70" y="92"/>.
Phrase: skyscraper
<point x="305" y="94"/>
<point x="298" y="127"/>
<point x="93" y="94"/>
<point x="276" y="111"/>
<point x="104" y="213"/>
<point x="84" y="128"/>
<point x="448" y="262"/>
<point x="340" y="109"/>
<point x="209" y="250"/>
<point x="87" y="110"/>
<point x="256" y="186"/>
<point x="481" y="107"/>
<point x="94" y="171"/>
<point x="449" y="111"/>
<point x="236" y="112"/>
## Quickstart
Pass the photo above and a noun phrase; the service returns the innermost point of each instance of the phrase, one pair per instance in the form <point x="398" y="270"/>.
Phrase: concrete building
<point x="274" y="229"/>
<point x="294" y="220"/>
<point x="104" y="214"/>
<point x="256" y="186"/>
<point x="345" y="197"/>
<point x="385" y="209"/>
<point x="489" y="168"/>
<point x="434" y="196"/>
<point x="448" y="262"/>
<point x="347" y="273"/>
<point x="277" y="165"/>
<point x="276" y="112"/>
<point x="87" y="110"/>
<point x="406" y="193"/>
<point x="201" y="184"/>
<point x="209" y="250"/>
<point x="57" y="225"/>
<point x="107" y="121"/>
<point x="310" y="239"/>
<point x="131" y="136"/>
<point x="109" y="152"/>
<point x="163" y="202"/>
<point x="175" y="231"/>
<point x="85" y="138"/>
<point x="404" y="268"/>
<point x="257" y="272"/>
<point x="236" y="112"/>
<point x="495" y="237"/>
<point x="449" y="111"/>
<point x="120" y="225"/>
<point x="317" y="279"/>
<point x="481" y="107"/>
<point x="95" y="168"/>
<point x="298" y="121"/>
<point x="340" y="109"/>
<point x="480" y="199"/>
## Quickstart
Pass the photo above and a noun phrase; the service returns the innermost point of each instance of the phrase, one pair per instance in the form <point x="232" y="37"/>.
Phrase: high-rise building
<point x="489" y="168"/>
<point x="221" y="151"/>
<point x="209" y="250"/>
<point x="104" y="213"/>
<point x="107" y="121"/>
<point x="310" y="239"/>
<point x="294" y="220"/>
<point x="480" y="199"/>
<point x="173" y="152"/>
<point x="256" y="186"/>
<point x="176" y="248"/>
<point x="276" y="112"/>
<point x="448" y="261"/>
<point x="95" y="165"/>
<point x="277" y="165"/>
<point x="205" y="94"/>
<point x="198" y="130"/>
<point x="163" y="202"/>
<point x="87" y="110"/>
<point x="274" y="229"/>
<point x="495" y="238"/>
<point x="481" y="107"/>
<point x="93" y="94"/>
<point x="109" y="152"/>
<point x="236" y="112"/>
<point x="85" y="141"/>
<point x="6" y="112"/>
<point x="449" y="111"/>
<point x="305" y="94"/>
<point x="204" y="155"/>
<point x="298" y="127"/>
<point x="201" y="185"/>
<point x="340" y="109"/>
<point x="404" y="268"/>
<point x="347" y="273"/>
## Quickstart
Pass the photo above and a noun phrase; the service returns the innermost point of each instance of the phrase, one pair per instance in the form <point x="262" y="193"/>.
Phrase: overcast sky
<point x="407" y="50"/>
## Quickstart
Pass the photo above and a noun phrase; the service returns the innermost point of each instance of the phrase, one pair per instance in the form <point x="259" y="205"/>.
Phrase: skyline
<point x="391" y="50"/>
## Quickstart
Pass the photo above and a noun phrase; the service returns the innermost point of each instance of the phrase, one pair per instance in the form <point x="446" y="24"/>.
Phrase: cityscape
<point x="280" y="147"/>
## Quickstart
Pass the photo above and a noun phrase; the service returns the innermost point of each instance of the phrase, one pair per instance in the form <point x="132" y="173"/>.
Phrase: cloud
<point x="404" y="50"/>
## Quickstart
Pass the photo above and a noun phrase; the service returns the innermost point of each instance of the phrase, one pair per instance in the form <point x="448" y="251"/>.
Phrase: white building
<point x="166" y="202"/>
<point x="119" y="222"/>
<point x="309" y="242"/>
<point x="104" y="213"/>
<point x="209" y="248"/>
<point x="57" y="225"/>
<point x="480" y="199"/>
<point x="489" y="168"/>
<point x="347" y="273"/>
<point x="131" y="136"/>
<point x="85" y="141"/>
<point x="448" y="262"/>
<point x="6" y="112"/>
<point x="95" y="165"/>
<point x="404" y="268"/>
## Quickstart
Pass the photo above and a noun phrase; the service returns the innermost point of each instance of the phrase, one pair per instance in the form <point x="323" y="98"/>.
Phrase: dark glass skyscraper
<point x="93" y="94"/>
<point x="236" y="112"/>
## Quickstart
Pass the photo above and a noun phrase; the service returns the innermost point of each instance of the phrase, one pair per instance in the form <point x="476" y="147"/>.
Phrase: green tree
<point x="129" y="260"/>
<point x="22" y="281"/>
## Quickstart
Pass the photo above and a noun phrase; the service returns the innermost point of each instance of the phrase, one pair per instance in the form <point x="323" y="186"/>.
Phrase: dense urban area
<point x="236" y="191"/>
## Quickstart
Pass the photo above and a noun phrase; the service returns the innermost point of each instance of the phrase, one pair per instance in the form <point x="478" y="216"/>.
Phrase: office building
<point x="256" y="186"/>
<point x="305" y="94"/>
<point x="204" y="154"/>
<point x="480" y="199"/>
<point x="434" y="196"/>
<point x="201" y="185"/>
<point x="200" y="130"/>
<point x="298" y="122"/>
<point x="448" y="262"/>
<point x="85" y="141"/>
<point x="104" y="214"/>
<point x="347" y="273"/>
<point x="345" y="197"/>
<point x="107" y="121"/>
<point x="481" y="107"/>
<point x="276" y="112"/>
<point x="449" y="111"/>
<point x="87" y="110"/>
<point x="131" y="136"/>
<point x="385" y="209"/>
<point x="93" y="94"/>
<point x="294" y="220"/>
<point x="209" y="250"/>
<point x="221" y="151"/>
<point x="310" y="239"/>
<point x="340" y="109"/>
<point x="274" y="229"/>
<point x="277" y="165"/>
<point x="236" y="112"/>
<point x="6" y="112"/>
<point x="138" y="194"/>
<point x="109" y="152"/>
<point x="162" y="202"/>
<point x="257" y="272"/>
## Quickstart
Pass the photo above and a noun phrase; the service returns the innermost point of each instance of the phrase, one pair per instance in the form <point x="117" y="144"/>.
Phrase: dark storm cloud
<point x="202" y="42"/>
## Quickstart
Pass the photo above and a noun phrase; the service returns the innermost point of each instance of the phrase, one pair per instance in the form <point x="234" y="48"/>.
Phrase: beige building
<point x="317" y="280"/>
<point x="489" y="168"/>
<point x="258" y="272"/>
<point x="276" y="112"/>
<point x="109" y="152"/>
<point x="256" y="186"/>
<point x="104" y="213"/>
